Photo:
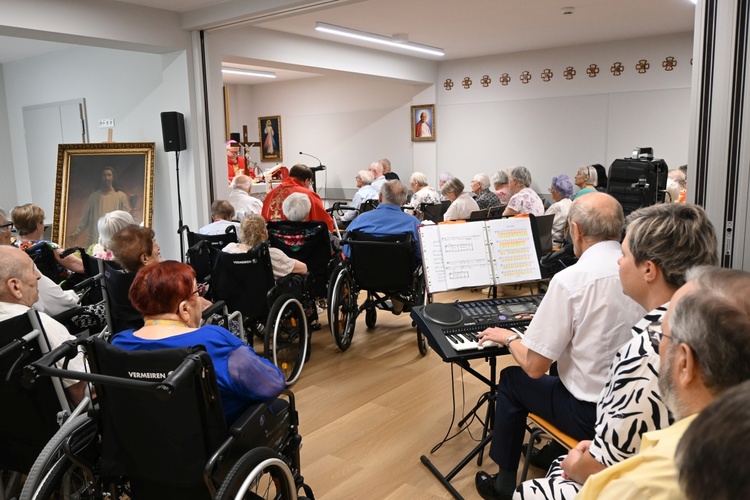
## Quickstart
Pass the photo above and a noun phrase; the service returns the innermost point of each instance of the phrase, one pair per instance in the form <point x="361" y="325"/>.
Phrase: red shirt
<point x="272" y="204"/>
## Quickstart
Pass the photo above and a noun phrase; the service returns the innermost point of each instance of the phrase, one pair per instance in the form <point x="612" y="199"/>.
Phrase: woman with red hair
<point x="166" y="294"/>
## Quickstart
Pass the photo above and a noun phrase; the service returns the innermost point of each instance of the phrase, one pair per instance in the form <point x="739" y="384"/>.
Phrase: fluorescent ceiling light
<point x="248" y="72"/>
<point x="372" y="37"/>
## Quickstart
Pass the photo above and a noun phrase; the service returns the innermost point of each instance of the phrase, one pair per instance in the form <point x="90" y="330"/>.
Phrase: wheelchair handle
<point x="68" y="349"/>
<point x="165" y="389"/>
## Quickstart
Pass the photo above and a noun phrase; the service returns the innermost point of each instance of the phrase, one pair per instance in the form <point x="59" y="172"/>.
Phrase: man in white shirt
<point x="582" y="321"/>
<point x="240" y="198"/>
<point x="376" y="168"/>
<point x="18" y="292"/>
<point x="222" y="213"/>
<point x="365" y="192"/>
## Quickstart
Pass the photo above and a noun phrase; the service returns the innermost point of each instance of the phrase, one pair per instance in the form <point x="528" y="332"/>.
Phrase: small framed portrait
<point x="269" y="128"/>
<point x="423" y="123"/>
<point x="95" y="179"/>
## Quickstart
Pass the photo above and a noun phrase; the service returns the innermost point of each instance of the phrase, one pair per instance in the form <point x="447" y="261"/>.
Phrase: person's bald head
<point x="18" y="277"/>
<point x="376" y="168"/>
<point x="4" y="228"/>
<point x="243" y="182"/>
<point x="594" y="218"/>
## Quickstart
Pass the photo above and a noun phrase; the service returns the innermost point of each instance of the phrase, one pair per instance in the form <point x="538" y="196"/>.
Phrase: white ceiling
<point x="469" y="28"/>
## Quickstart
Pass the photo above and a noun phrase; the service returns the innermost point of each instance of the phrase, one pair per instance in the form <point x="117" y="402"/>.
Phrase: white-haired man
<point x="240" y="198"/>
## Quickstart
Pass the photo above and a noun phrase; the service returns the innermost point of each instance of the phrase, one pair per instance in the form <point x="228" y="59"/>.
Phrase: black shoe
<point x="485" y="484"/>
<point x="544" y="456"/>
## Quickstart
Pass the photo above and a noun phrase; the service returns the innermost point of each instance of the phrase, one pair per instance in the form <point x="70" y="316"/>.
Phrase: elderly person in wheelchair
<point x="253" y="231"/>
<point x="166" y="295"/>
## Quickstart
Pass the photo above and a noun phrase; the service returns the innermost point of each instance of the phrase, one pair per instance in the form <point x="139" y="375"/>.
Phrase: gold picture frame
<point x="423" y="130"/>
<point x="94" y="178"/>
<point x="269" y="131"/>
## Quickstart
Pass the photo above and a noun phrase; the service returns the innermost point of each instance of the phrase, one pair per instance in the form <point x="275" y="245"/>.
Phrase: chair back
<point x="243" y="280"/>
<point x="382" y="263"/>
<point x="541" y="229"/>
<point x="496" y="212"/>
<point x="479" y="214"/>
<point x="160" y="444"/>
<point x="217" y="241"/>
<point x="368" y="205"/>
<point x="434" y="212"/>
<point x="307" y="242"/>
<point x="121" y="315"/>
<point x="29" y="415"/>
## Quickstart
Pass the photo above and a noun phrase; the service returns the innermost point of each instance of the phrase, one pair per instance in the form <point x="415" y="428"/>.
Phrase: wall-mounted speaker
<point x="173" y="130"/>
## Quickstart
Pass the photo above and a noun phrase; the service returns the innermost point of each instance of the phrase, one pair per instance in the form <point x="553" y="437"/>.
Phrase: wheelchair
<point x="386" y="268"/>
<point x="43" y="255"/>
<point x="30" y="416"/>
<point x="279" y="312"/>
<point x="184" y="449"/>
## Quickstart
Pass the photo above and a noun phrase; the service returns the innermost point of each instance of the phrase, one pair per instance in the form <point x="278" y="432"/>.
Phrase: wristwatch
<point x="513" y="337"/>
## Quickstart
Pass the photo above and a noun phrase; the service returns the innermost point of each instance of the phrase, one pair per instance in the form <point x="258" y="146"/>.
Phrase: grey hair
<point x="598" y="221"/>
<point x="110" y="223"/>
<point x="365" y="176"/>
<point x="672" y="191"/>
<point x="679" y="176"/>
<point x="675" y="237"/>
<point x="242" y="182"/>
<point x="296" y="206"/>
<point x="419" y="178"/>
<point x="445" y="176"/>
<point x="393" y="192"/>
<point x="500" y="177"/>
<point x="590" y="173"/>
<point x="714" y="320"/>
<point x="521" y="175"/>
<point x="376" y="168"/>
<point x="454" y="186"/>
<point x="483" y="180"/>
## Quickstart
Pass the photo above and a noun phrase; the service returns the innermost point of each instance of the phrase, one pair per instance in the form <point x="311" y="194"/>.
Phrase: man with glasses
<point x="704" y="347"/>
<point x="235" y="161"/>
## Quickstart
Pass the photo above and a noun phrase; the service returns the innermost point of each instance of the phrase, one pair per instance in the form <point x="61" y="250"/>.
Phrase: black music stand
<point x="449" y="355"/>
<point x="488" y="397"/>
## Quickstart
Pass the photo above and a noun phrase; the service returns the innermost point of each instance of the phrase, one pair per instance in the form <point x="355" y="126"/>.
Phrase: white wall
<point x="131" y="87"/>
<point x="8" y="184"/>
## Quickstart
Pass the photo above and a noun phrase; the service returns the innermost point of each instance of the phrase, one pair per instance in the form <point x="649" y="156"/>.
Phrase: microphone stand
<point x="315" y="170"/>
<point x="179" y="208"/>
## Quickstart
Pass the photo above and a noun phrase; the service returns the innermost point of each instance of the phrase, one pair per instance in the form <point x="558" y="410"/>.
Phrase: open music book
<point x="478" y="253"/>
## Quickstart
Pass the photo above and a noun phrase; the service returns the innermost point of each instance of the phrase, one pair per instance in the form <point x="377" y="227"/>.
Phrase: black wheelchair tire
<point x="421" y="342"/>
<point x="250" y="470"/>
<point x="371" y="317"/>
<point x="52" y="454"/>
<point x="286" y="345"/>
<point x="342" y="309"/>
<point x="65" y="480"/>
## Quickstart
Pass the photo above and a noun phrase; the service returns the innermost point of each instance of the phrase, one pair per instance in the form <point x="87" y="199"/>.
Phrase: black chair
<point x="479" y="214"/>
<point x="270" y="310"/>
<point x="434" y="212"/>
<point x="496" y="212"/>
<point x="308" y="242"/>
<point x="29" y="417"/>
<point x="387" y="269"/>
<point x="161" y="430"/>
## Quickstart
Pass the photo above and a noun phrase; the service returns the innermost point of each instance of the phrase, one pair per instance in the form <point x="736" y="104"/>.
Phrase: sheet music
<point x="512" y="249"/>
<point x="479" y="253"/>
<point x="455" y="256"/>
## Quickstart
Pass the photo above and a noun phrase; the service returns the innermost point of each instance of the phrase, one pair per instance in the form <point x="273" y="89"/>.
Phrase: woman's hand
<point x="574" y="455"/>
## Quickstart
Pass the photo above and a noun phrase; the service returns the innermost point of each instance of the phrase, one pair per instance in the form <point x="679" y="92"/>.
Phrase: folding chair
<point x="537" y="428"/>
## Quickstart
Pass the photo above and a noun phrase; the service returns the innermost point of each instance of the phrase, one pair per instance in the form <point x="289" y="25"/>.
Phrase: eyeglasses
<point x="7" y="224"/>
<point x="188" y="298"/>
<point x="551" y="190"/>
<point x="233" y="152"/>
<point x="655" y="335"/>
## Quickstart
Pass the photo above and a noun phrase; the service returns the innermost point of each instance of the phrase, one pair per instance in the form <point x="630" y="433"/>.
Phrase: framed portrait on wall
<point x="423" y="123"/>
<point x="269" y="128"/>
<point x="95" y="179"/>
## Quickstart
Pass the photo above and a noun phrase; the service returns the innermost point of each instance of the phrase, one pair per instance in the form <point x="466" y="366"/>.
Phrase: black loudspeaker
<point x="173" y="130"/>
<point x="234" y="136"/>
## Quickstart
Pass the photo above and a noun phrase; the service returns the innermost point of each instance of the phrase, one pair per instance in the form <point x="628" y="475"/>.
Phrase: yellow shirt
<point x="649" y="474"/>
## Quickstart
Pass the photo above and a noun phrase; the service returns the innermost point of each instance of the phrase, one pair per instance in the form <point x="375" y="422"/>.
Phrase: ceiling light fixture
<point x="248" y="72"/>
<point x="398" y="40"/>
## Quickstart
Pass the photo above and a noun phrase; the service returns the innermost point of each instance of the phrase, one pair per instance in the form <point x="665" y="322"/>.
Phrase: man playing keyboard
<point x="582" y="321"/>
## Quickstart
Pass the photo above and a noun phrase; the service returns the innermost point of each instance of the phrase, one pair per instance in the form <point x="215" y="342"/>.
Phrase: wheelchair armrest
<point x="249" y="417"/>
<point x="215" y="308"/>
<point x="65" y="316"/>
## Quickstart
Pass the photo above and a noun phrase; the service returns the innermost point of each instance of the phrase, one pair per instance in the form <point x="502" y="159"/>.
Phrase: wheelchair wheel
<point x="259" y="473"/>
<point x="342" y="309"/>
<point x="371" y="317"/>
<point x="53" y="473"/>
<point x="286" y="337"/>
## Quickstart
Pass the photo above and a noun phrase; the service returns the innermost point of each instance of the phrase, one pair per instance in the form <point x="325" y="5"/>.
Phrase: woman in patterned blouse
<point x="524" y="199"/>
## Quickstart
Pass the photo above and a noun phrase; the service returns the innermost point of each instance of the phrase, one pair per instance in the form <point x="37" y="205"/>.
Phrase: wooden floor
<point x="368" y="414"/>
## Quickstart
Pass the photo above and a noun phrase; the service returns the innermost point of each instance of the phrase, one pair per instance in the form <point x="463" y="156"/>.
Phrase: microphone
<point x="320" y="163"/>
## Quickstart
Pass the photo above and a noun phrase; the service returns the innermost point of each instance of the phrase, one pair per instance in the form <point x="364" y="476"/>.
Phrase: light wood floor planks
<point x="368" y="414"/>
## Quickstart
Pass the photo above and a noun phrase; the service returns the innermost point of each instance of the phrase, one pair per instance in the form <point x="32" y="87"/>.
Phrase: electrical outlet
<point x="107" y="123"/>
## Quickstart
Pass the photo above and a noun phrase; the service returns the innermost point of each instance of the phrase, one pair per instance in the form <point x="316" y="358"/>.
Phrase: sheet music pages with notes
<point x="478" y="253"/>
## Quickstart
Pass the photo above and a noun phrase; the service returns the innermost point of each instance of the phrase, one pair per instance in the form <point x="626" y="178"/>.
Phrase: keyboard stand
<point x="488" y="398"/>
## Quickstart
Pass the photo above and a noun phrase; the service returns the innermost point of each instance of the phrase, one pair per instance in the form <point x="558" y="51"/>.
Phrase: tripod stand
<point x="488" y="398"/>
